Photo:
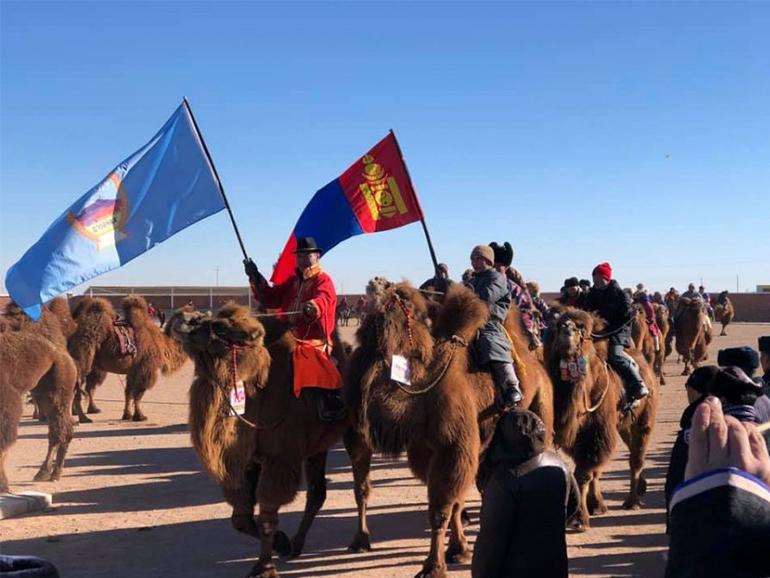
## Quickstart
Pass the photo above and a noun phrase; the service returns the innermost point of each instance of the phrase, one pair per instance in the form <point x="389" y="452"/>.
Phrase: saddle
<point x="126" y="336"/>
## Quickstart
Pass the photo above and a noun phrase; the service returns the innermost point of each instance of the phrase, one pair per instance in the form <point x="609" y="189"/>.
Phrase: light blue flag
<point x="162" y="188"/>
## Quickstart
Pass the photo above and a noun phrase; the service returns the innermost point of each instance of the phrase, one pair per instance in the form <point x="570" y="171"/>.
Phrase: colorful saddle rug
<point x="126" y="337"/>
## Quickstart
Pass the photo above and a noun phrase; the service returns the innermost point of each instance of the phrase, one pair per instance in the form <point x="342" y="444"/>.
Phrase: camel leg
<point x="636" y="438"/>
<point x="267" y="521"/>
<point x="77" y="403"/>
<point x="361" y="461"/>
<point x="137" y="396"/>
<point x="128" y="409"/>
<point x="243" y="498"/>
<point x="581" y="521"/>
<point x="137" y="384"/>
<point x="62" y="430"/>
<point x="458" y="551"/>
<point x="595" y="500"/>
<point x="315" y="473"/>
<point x="94" y="380"/>
<point x="438" y="514"/>
<point x="10" y="414"/>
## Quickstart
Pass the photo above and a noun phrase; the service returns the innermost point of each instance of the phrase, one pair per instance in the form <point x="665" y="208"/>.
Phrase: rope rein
<point x="455" y="342"/>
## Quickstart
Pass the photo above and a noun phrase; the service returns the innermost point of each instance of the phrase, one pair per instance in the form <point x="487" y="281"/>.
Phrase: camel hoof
<point x="260" y="570"/>
<point x="139" y="417"/>
<point x="281" y="544"/>
<point x="685" y="372"/>
<point x="578" y="525"/>
<point x="297" y="545"/>
<point x="465" y="518"/>
<point x="43" y="476"/>
<point x="632" y="503"/>
<point x="85" y="419"/>
<point x="93" y="409"/>
<point x="597" y="510"/>
<point x="361" y="543"/>
<point x="126" y="416"/>
<point x="642" y="486"/>
<point x="428" y="572"/>
<point x="245" y="524"/>
<point x="459" y="554"/>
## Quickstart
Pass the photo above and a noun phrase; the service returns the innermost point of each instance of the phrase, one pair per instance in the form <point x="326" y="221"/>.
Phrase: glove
<point x="310" y="310"/>
<point x="250" y="267"/>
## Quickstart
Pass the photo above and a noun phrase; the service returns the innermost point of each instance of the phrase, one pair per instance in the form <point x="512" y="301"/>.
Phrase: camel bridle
<point x="583" y="337"/>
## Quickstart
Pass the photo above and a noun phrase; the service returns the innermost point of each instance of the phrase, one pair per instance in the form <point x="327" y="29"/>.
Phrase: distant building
<point x="763" y="288"/>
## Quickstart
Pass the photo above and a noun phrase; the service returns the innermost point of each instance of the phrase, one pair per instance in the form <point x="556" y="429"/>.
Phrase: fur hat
<point x="603" y="269"/>
<point x="520" y="436"/>
<point x="701" y="378"/>
<point x="571" y="282"/>
<point x="764" y="344"/>
<point x="733" y="380"/>
<point x="584" y="283"/>
<point x="744" y="357"/>
<point x="484" y="251"/>
<point x="503" y="253"/>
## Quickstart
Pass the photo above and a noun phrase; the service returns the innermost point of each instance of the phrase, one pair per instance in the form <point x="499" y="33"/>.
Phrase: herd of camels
<point x="443" y="421"/>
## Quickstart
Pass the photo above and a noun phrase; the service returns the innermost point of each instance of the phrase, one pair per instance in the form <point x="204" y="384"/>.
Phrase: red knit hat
<point x="603" y="269"/>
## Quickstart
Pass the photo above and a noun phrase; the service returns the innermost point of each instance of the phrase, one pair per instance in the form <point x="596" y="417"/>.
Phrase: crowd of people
<point x="717" y="492"/>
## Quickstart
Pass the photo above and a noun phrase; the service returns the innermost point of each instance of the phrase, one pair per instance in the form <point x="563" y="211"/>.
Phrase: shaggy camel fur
<point x="724" y="314"/>
<point x="642" y="336"/>
<point x="96" y="351"/>
<point x="444" y="419"/>
<point x="30" y="361"/>
<point x="587" y="415"/>
<point x="661" y="319"/>
<point x="692" y="333"/>
<point x="55" y="324"/>
<point x="263" y="461"/>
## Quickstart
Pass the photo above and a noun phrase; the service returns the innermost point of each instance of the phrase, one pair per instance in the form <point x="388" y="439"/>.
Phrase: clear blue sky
<point x="637" y="133"/>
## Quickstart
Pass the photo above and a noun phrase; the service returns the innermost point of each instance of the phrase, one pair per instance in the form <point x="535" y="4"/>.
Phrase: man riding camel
<point x="642" y="297"/>
<point x="493" y="346"/>
<point x="613" y="305"/>
<point x="309" y="300"/>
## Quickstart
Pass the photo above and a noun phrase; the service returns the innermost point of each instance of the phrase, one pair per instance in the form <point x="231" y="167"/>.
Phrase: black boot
<point x="507" y="384"/>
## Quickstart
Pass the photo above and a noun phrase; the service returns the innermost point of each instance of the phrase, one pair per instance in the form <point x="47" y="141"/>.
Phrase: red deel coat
<point x="314" y="286"/>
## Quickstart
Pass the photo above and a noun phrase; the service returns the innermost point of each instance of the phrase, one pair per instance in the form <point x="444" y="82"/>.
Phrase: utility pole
<point x="737" y="283"/>
<point x="217" y="275"/>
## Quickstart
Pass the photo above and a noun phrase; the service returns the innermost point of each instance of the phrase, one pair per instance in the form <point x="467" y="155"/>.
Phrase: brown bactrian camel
<point x="587" y="397"/>
<point x="724" y="313"/>
<point x="661" y="320"/>
<point x="443" y="418"/>
<point x="55" y="324"/>
<point x="261" y="461"/>
<point x="95" y="347"/>
<point x="642" y="336"/>
<point x="29" y="361"/>
<point x="692" y="332"/>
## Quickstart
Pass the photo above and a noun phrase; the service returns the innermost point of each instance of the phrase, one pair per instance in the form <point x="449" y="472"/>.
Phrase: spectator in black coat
<point x="697" y="386"/>
<point x="764" y="358"/>
<point x="528" y="495"/>
<point x="720" y="516"/>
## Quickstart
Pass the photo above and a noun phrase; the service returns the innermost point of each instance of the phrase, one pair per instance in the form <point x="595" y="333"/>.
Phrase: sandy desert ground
<point x="133" y="501"/>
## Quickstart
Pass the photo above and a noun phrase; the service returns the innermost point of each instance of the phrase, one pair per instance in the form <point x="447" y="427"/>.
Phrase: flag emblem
<point x="380" y="190"/>
<point x="103" y="219"/>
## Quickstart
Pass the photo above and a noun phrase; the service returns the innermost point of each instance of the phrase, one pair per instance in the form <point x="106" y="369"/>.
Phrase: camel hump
<point x="461" y="314"/>
<point x="94" y="307"/>
<point x="135" y="310"/>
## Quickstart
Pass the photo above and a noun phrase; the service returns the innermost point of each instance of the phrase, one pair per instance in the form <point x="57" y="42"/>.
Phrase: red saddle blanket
<point x="313" y="368"/>
<point x="126" y="337"/>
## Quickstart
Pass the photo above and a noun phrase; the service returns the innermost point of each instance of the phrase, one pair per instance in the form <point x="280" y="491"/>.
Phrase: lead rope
<point x="455" y="342"/>
<point x="234" y="349"/>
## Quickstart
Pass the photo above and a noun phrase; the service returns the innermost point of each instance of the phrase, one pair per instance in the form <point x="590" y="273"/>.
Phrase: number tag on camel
<point x="237" y="399"/>
<point x="400" y="370"/>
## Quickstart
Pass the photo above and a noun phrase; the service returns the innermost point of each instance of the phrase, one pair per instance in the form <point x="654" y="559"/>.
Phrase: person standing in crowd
<point x="720" y="515"/>
<point x="764" y="358"/>
<point x="528" y="496"/>
<point x="440" y="281"/>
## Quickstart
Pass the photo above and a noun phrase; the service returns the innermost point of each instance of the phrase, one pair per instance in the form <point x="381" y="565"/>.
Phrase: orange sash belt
<point x="314" y="368"/>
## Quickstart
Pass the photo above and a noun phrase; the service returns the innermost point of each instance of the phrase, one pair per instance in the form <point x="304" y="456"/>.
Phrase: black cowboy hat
<point x="503" y="254"/>
<point x="764" y="344"/>
<point x="307" y="245"/>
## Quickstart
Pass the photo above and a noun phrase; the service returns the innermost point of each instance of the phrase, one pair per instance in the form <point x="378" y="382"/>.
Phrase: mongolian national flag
<point x="162" y="188"/>
<point x="374" y="194"/>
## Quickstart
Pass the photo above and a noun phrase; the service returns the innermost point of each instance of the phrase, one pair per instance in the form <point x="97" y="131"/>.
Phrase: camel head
<point x="182" y="322"/>
<point x="573" y="330"/>
<point x="219" y="343"/>
<point x="397" y="321"/>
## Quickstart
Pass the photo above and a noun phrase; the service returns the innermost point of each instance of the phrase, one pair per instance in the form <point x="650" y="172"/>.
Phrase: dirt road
<point x="134" y="502"/>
